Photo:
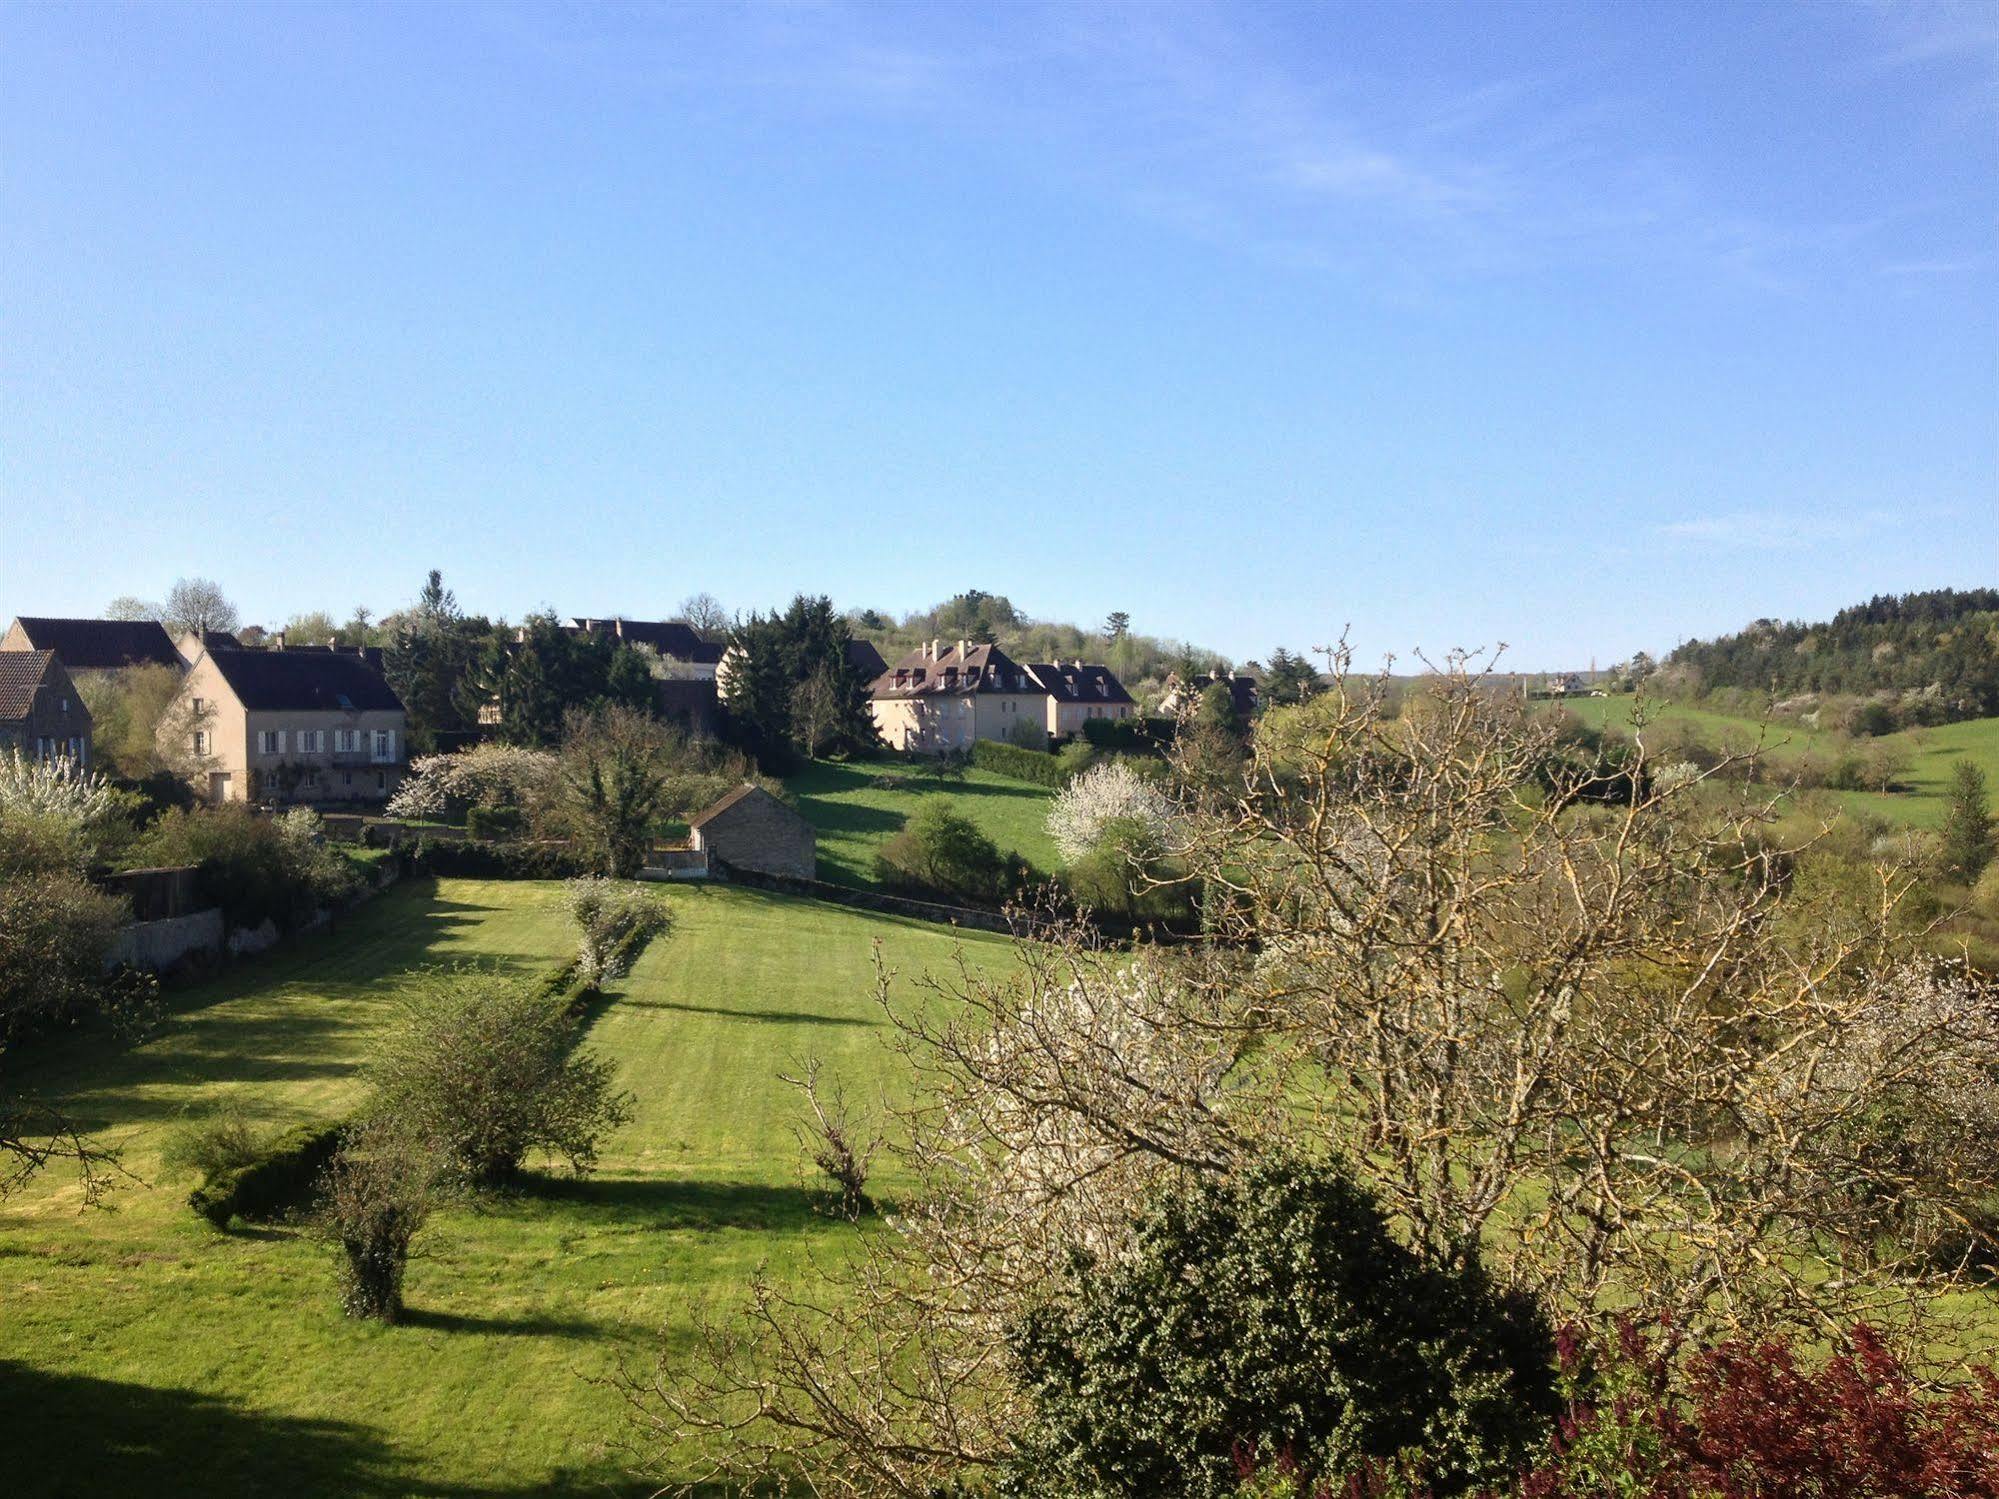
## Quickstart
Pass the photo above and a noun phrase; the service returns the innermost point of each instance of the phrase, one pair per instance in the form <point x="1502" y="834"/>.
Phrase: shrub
<point x="495" y="822"/>
<point x="1107" y="794"/>
<point x="833" y="1140"/>
<point x="211" y="1145"/>
<point x="55" y="929"/>
<point x="615" y="920"/>
<point x="255" y="868"/>
<point x="1749" y="1419"/>
<point x="56" y="814"/>
<point x="941" y="852"/>
<point x="1117" y="877"/>
<point x="1022" y="764"/>
<point x="376" y="1196"/>
<point x="1149" y="736"/>
<point x="480" y="1065"/>
<point x="486" y="776"/>
<point x="277" y="1179"/>
<point x="1275" y="1312"/>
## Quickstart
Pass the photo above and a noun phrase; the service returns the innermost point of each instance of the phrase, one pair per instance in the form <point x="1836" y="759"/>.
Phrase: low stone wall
<point x="675" y="864"/>
<point x="161" y="944"/>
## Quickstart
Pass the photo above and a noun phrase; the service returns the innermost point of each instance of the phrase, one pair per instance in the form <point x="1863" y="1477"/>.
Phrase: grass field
<point x="1932" y="751"/>
<point x="858" y="807"/>
<point x="158" y="1356"/>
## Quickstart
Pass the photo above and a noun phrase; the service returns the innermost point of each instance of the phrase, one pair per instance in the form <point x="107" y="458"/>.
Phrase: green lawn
<point x="158" y="1356"/>
<point x="1932" y="751"/>
<point x="856" y="807"/>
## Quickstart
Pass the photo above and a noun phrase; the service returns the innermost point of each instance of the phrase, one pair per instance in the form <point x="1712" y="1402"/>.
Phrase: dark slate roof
<point x="102" y="644"/>
<point x="742" y="793"/>
<point x="1080" y="683"/>
<point x="304" y="682"/>
<point x="372" y="654"/>
<point x="21" y="672"/>
<point x="670" y="637"/>
<point x="952" y="673"/>
<point x="862" y="655"/>
<point x="214" y="640"/>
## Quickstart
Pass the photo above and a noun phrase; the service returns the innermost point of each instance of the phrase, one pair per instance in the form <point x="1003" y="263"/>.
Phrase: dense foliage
<point x="790" y="688"/>
<point x="1937" y="653"/>
<point x="256" y="869"/>
<point x="614" y="920"/>
<point x="1275" y="1312"/>
<point x="942" y="854"/>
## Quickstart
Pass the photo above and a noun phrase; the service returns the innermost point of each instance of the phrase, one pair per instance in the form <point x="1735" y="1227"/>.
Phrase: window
<point x="200" y="705"/>
<point x="346" y="741"/>
<point x="311" y="741"/>
<point x="270" y="741"/>
<point x="76" y="750"/>
<point x="349" y="781"/>
<point x="385" y="745"/>
<point x="381" y="780"/>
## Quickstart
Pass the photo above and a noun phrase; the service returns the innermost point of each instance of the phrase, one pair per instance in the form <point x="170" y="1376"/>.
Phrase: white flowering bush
<point x="487" y="775"/>
<point x="1112" y="792"/>
<point x="56" y="813"/>
<point x="301" y="828"/>
<point x="614" y="918"/>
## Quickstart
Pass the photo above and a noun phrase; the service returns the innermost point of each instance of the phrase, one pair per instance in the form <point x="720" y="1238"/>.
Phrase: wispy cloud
<point x="1784" y="531"/>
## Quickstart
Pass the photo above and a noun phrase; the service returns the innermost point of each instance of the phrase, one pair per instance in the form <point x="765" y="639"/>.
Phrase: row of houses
<point x="317" y="722"/>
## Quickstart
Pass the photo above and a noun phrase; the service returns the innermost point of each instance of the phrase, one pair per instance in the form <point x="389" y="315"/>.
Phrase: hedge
<point x="477" y="860"/>
<point x="1147" y="736"/>
<point x="494" y="823"/>
<point x="282" y="1178"/>
<point x="1006" y="759"/>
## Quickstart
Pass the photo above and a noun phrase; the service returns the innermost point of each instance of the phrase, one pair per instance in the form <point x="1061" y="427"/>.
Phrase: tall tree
<point x="125" y="606"/>
<point x="705" y="612"/>
<point x="431" y="655"/>
<point x="781" y="664"/>
<point x="198" y="604"/>
<point x="1117" y="625"/>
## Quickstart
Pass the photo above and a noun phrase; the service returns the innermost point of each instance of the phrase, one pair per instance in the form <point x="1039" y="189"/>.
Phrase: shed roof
<point x="21" y="672"/>
<point x="748" y="791"/>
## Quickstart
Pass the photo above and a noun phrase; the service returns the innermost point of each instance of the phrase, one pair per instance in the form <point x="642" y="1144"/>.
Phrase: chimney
<point x="934" y="644"/>
<point x="961" y="650"/>
<point x="278" y="640"/>
<point x="333" y="642"/>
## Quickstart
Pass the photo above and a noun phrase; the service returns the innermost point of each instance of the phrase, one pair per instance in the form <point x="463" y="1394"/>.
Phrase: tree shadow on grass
<point x="433" y="1320"/>
<point x="664" y="1203"/>
<point x="782" y="1017"/>
<point x="74" y="1437"/>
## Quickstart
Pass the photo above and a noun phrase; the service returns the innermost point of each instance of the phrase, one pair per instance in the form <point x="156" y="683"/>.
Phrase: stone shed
<point x="751" y="829"/>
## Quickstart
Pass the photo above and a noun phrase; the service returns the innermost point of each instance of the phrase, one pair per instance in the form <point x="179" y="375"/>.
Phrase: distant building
<point x="939" y="699"/>
<point x="95" y="644"/>
<point x="192" y="643"/>
<point x="751" y="829"/>
<point x="684" y="654"/>
<point x="299" y="725"/>
<point x="41" y="715"/>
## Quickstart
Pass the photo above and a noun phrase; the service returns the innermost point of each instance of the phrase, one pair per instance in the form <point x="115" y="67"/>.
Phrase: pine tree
<point x="1967" y="825"/>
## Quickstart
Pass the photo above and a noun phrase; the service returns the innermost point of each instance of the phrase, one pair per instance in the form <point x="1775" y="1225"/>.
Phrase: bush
<point x="1749" y="1419"/>
<point x="942" y="853"/>
<point x="55" y="929"/>
<point x="495" y="822"/>
<point x="376" y="1195"/>
<point x="1004" y="759"/>
<point x="481" y="1067"/>
<point x="1275" y="1313"/>
<point x="1112" y="793"/>
<point x="277" y="1180"/>
<point x="1144" y="736"/>
<point x="466" y="859"/>
<point x="1116" y="877"/>
<point x="616" y="920"/>
<point x="210" y="1146"/>
<point x="255" y="868"/>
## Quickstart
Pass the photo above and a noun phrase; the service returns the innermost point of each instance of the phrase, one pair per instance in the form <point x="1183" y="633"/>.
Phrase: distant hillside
<point x="1935" y="654"/>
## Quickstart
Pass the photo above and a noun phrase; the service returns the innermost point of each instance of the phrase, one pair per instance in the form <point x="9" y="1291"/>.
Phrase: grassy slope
<point x="164" y="1358"/>
<point x="1932" y="751"/>
<point x="858" y="807"/>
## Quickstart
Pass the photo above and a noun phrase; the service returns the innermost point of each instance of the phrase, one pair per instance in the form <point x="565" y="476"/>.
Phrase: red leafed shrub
<point x="1753" y="1423"/>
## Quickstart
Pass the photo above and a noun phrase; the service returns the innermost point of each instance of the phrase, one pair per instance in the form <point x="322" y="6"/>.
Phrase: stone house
<point x="751" y="829"/>
<point x="938" y="699"/>
<point x="95" y="644"/>
<point x="684" y="656"/>
<point x="290" y="726"/>
<point x="41" y="714"/>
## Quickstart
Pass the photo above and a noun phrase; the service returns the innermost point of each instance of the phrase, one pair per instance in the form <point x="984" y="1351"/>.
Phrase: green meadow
<point x="142" y="1351"/>
<point x="1932" y="752"/>
<point x="857" y="806"/>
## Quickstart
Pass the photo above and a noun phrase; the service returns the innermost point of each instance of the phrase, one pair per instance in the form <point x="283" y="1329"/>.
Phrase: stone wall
<point x="761" y="833"/>
<point x="161" y="944"/>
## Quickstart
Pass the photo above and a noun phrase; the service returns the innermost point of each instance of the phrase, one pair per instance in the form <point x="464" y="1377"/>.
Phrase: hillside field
<point x="162" y="1357"/>
<point x="856" y="806"/>
<point x="1932" y="751"/>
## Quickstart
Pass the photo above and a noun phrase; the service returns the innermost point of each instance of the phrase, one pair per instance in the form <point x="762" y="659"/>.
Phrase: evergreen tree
<point x="791" y="687"/>
<point x="431" y="657"/>
<point x="1967" y="825"/>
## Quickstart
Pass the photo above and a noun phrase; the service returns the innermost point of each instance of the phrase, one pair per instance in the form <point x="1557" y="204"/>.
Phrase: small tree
<point x="704" y="612"/>
<point x="1107" y="793"/>
<point x="834" y="1141"/>
<point x="376" y="1198"/>
<point x="1967" y="842"/>
<point x="613" y="919"/>
<point x="940" y="851"/>
<point x="614" y="767"/>
<point x="481" y="1066"/>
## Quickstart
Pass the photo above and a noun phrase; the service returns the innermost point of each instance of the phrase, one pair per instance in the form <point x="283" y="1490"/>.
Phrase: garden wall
<point x="161" y="944"/>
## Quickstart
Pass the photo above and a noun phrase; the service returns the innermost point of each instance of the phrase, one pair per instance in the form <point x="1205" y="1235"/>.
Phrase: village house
<point x="938" y="699"/>
<point x="751" y="829"/>
<point x="683" y="654"/>
<point x="290" y="726"/>
<point x="95" y="644"/>
<point x="191" y="643"/>
<point x="1186" y="696"/>
<point x="41" y="715"/>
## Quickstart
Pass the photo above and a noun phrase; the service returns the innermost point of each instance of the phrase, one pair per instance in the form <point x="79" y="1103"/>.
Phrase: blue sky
<point x="1583" y="328"/>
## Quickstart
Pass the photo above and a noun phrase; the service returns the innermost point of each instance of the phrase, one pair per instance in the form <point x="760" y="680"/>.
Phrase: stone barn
<point x="751" y="829"/>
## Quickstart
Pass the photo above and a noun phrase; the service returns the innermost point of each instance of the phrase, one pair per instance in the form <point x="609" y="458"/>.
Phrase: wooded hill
<point x="1936" y="652"/>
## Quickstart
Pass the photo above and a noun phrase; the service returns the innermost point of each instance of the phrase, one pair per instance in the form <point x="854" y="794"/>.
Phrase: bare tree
<point x="834" y="1140"/>
<point x="125" y="606"/>
<point x="705" y="612"/>
<point x="198" y="604"/>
